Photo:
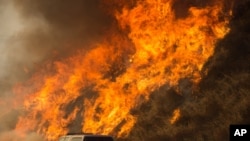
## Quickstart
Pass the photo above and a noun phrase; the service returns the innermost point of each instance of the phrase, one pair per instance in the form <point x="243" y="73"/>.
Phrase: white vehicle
<point x="86" y="137"/>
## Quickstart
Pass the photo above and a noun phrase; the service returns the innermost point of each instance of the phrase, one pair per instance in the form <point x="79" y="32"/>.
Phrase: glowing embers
<point x="176" y="115"/>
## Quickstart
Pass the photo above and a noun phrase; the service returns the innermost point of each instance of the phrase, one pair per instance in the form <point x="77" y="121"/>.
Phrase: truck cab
<point x="85" y="137"/>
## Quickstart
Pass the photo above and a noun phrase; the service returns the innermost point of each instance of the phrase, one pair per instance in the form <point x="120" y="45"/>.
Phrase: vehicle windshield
<point x="98" y="139"/>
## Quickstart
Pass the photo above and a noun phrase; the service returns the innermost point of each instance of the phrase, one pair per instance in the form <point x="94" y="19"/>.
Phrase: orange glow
<point x="122" y="73"/>
<point x="176" y="116"/>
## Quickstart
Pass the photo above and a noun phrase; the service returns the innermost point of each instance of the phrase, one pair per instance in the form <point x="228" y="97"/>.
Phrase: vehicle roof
<point x="85" y="135"/>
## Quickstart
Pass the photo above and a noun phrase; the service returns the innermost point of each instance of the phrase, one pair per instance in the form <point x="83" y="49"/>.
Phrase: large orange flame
<point x="122" y="72"/>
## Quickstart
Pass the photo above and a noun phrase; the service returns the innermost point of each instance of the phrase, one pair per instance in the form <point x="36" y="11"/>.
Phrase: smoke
<point x="14" y="136"/>
<point x="73" y="23"/>
<point x="9" y="29"/>
<point x="13" y="60"/>
<point x="35" y="30"/>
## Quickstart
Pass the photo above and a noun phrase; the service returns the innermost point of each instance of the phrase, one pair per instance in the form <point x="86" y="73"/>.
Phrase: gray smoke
<point x="35" y="30"/>
<point x="32" y="31"/>
<point x="12" y="136"/>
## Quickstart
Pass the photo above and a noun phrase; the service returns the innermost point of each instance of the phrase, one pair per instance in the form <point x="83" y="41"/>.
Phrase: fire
<point x="122" y="71"/>
<point x="176" y="116"/>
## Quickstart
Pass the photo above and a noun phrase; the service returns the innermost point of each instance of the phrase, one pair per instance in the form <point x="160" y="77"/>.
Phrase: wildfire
<point x="122" y="71"/>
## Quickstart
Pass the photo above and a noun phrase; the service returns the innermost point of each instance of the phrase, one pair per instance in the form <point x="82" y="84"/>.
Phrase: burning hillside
<point x="137" y="70"/>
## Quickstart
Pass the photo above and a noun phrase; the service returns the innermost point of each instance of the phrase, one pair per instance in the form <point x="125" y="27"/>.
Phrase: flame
<point x="176" y="116"/>
<point x="122" y="71"/>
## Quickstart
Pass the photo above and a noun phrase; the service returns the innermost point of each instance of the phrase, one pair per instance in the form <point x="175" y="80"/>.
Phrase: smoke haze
<point x="36" y="30"/>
